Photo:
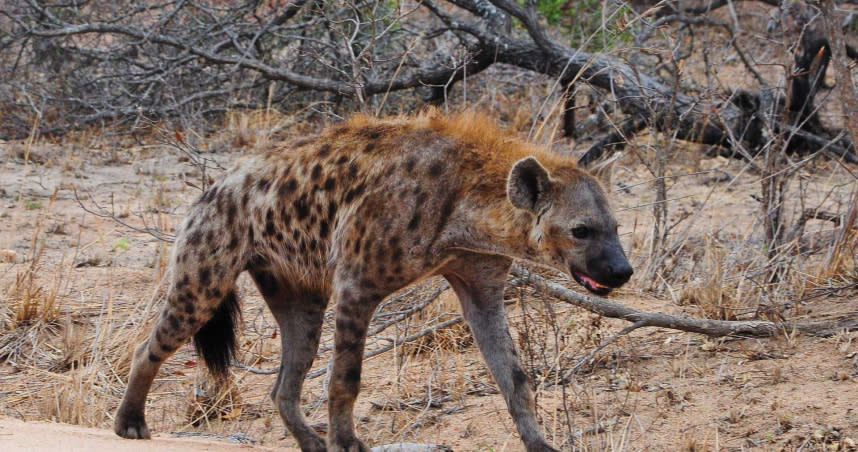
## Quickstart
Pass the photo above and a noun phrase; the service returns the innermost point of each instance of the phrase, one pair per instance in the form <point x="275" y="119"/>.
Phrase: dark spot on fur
<point x="436" y="168"/>
<point x="369" y="147"/>
<point x="396" y="254"/>
<point x="233" y="243"/>
<point x="415" y="221"/>
<point x="195" y="238"/>
<point x="329" y="184"/>
<point x="317" y="171"/>
<point x="189" y="308"/>
<point x="389" y="171"/>
<point x="279" y="236"/>
<point x="371" y="132"/>
<point x="263" y="184"/>
<point x="245" y="199"/>
<point x="323" y="229"/>
<point x="324" y="150"/>
<point x="343" y="159"/>
<point x="352" y="375"/>
<point x="353" y="169"/>
<point x="174" y="322"/>
<point x="332" y="210"/>
<point x="287" y="187"/>
<point x="346" y="346"/>
<point x="250" y="237"/>
<point x="313" y="245"/>
<point x="355" y="192"/>
<point x="205" y="276"/>
<point x="210" y="237"/>
<point x="302" y="208"/>
<point x="231" y="211"/>
<point x="153" y="357"/>
<point x="409" y="164"/>
<point x="345" y="324"/>
<point x="357" y="246"/>
<point x="368" y="283"/>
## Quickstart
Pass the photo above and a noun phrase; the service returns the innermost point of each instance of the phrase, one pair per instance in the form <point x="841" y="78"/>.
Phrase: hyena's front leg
<point x="355" y="305"/>
<point x="479" y="282"/>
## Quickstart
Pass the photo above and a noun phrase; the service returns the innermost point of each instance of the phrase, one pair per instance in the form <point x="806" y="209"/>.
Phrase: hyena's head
<point x="573" y="228"/>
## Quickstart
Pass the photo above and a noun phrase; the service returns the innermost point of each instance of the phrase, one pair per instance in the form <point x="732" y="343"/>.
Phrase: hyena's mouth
<point x="591" y="284"/>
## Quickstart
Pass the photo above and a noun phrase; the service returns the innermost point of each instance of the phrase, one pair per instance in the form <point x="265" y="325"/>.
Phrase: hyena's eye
<point x="581" y="232"/>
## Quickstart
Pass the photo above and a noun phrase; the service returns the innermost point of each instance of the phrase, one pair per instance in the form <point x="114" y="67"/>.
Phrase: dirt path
<point x="17" y="435"/>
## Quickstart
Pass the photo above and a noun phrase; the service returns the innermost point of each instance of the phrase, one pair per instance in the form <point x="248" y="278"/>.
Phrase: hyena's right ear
<point x="528" y="184"/>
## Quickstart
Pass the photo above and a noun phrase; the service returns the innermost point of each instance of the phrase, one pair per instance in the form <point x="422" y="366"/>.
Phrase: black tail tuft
<point x="215" y="341"/>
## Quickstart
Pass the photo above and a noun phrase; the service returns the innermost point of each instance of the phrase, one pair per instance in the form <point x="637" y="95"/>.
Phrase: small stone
<point x="8" y="256"/>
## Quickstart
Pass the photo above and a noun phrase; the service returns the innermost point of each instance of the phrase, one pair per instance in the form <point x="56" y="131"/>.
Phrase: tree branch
<point x="713" y="328"/>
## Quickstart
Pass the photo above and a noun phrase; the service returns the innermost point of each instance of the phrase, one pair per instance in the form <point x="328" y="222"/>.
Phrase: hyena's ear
<point x="528" y="184"/>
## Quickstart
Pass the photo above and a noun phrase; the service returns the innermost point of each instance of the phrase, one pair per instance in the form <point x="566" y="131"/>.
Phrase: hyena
<point x="350" y="216"/>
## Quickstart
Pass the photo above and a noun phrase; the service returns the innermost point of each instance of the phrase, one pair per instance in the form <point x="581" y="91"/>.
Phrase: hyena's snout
<point x="618" y="272"/>
<point x="606" y="269"/>
<point x="611" y="268"/>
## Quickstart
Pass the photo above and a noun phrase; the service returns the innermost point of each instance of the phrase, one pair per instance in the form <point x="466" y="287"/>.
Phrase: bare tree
<point x="72" y="64"/>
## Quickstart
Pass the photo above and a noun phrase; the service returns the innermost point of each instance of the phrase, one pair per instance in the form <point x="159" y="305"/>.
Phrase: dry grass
<point x="75" y="304"/>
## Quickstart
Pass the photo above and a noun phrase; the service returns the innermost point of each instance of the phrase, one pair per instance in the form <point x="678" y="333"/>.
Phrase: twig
<point x="396" y="343"/>
<point x="574" y="369"/>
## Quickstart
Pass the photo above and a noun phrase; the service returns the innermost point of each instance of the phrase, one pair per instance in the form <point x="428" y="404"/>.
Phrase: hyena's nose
<point x="620" y="273"/>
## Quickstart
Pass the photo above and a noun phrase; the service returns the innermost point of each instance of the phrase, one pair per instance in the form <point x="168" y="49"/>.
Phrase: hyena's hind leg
<point x="201" y="302"/>
<point x="299" y="315"/>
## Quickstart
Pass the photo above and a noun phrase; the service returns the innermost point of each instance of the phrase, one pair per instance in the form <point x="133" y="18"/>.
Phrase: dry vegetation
<point x="77" y="290"/>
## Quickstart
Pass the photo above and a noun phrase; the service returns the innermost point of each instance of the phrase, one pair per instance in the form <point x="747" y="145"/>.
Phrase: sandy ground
<point x="22" y="436"/>
<point x="651" y="390"/>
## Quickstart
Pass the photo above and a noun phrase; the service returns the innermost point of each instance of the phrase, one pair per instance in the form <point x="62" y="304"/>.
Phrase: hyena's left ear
<point x="528" y="184"/>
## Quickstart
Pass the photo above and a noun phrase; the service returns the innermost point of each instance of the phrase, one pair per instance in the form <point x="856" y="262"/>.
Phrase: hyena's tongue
<point x="590" y="281"/>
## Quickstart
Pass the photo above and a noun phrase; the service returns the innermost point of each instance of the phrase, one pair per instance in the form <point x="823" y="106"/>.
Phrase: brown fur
<point x="357" y="212"/>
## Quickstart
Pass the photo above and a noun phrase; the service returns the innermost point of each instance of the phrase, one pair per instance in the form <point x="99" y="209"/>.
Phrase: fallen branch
<point x="709" y="327"/>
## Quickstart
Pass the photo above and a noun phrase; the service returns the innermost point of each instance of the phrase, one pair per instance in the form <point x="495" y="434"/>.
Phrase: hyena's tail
<point x="215" y="341"/>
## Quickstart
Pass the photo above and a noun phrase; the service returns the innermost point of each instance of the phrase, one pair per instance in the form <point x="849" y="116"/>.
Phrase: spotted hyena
<point x="353" y="214"/>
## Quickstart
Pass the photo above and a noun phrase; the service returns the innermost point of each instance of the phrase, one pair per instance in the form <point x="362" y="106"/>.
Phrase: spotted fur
<point x="353" y="214"/>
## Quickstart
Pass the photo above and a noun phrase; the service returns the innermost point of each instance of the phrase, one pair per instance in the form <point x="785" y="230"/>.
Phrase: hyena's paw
<point x="316" y="444"/>
<point x="131" y="427"/>
<point x="350" y="445"/>
<point x="541" y="447"/>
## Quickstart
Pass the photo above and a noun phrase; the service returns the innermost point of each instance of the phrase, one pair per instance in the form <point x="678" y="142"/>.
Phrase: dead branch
<point x="709" y="327"/>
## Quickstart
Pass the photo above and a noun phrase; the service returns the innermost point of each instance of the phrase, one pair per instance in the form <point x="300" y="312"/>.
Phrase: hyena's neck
<point x="496" y="227"/>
